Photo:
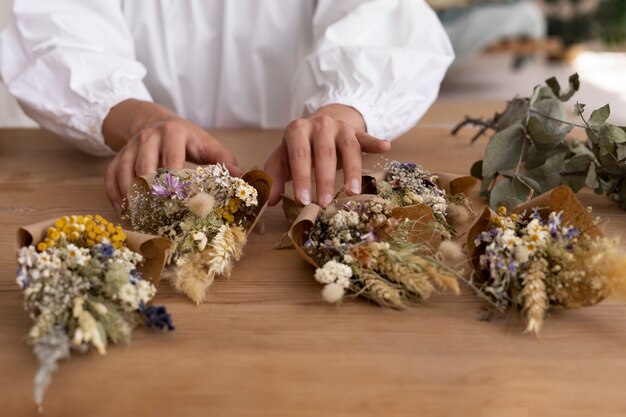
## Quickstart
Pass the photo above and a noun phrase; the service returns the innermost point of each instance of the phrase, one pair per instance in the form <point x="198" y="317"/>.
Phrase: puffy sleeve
<point x="68" y="62"/>
<point x="385" y="58"/>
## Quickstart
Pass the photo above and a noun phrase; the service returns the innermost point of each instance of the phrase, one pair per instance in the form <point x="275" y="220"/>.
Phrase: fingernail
<point x="326" y="199"/>
<point x="118" y="207"/>
<point x="304" y="197"/>
<point x="355" y="186"/>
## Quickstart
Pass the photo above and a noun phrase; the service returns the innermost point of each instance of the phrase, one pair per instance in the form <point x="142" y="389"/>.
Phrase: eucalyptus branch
<point x="521" y="155"/>
<point x="556" y="119"/>
<point x="589" y="127"/>
<point x="485" y="125"/>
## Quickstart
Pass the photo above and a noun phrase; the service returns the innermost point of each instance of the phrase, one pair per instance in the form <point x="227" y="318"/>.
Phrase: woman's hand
<point x="334" y="131"/>
<point x="149" y="136"/>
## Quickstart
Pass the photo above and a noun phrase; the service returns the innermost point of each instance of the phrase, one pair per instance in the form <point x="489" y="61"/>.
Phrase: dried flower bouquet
<point x="85" y="284"/>
<point x="406" y="185"/>
<point x="359" y="246"/>
<point x="206" y="212"/>
<point x="548" y="253"/>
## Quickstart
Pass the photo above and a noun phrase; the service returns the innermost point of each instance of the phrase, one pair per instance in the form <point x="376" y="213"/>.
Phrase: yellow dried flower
<point x="502" y="211"/>
<point x="88" y="228"/>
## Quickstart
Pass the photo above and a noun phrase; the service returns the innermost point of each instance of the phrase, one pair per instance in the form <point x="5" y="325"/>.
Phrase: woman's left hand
<point x="334" y="131"/>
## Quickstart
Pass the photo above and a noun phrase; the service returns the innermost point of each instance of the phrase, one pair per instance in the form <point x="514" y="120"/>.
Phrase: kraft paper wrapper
<point x="259" y="179"/>
<point x="152" y="248"/>
<point x="451" y="183"/>
<point x="308" y="216"/>
<point x="561" y="198"/>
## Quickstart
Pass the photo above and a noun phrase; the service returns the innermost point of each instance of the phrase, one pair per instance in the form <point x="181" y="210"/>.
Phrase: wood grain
<point x="264" y="344"/>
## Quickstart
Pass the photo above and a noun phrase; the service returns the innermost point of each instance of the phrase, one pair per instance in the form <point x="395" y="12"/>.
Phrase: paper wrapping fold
<point x="152" y="248"/>
<point x="308" y="215"/>
<point x="452" y="184"/>
<point x="561" y="198"/>
<point x="142" y="187"/>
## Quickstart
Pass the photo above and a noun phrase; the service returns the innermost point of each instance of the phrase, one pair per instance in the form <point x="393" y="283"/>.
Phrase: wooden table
<point x="264" y="344"/>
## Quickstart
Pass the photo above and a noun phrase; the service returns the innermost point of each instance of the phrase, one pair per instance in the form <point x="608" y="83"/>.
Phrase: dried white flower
<point x="128" y="294"/>
<point x="201" y="204"/>
<point x="450" y="250"/>
<point x="333" y="293"/>
<point x="202" y="240"/>
<point x="334" y="272"/>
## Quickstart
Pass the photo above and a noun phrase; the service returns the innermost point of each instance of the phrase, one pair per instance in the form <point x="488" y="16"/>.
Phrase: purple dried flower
<point x="156" y="316"/>
<point x="174" y="187"/>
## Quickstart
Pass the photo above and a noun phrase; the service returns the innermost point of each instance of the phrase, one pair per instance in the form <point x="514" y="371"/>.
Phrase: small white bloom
<point x="202" y="240"/>
<point x="201" y="204"/>
<point x="334" y="272"/>
<point x="522" y="254"/>
<point x="145" y="291"/>
<point x="450" y="250"/>
<point x="333" y="293"/>
<point x="128" y="294"/>
<point x="27" y="256"/>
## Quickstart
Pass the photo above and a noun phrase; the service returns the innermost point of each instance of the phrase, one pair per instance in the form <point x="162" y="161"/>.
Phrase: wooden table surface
<point x="264" y="344"/>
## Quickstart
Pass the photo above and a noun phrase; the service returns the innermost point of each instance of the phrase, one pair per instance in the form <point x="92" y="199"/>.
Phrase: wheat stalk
<point x="534" y="296"/>
<point x="396" y="268"/>
<point x="377" y="289"/>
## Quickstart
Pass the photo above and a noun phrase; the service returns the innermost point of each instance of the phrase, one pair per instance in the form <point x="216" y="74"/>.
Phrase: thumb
<point x="371" y="144"/>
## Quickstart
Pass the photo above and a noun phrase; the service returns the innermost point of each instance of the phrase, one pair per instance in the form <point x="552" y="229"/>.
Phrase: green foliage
<point x="532" y="150"/>
<point x="575" y="21"/>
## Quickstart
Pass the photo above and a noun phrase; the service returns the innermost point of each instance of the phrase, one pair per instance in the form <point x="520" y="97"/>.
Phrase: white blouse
<point x="220" y="63"/>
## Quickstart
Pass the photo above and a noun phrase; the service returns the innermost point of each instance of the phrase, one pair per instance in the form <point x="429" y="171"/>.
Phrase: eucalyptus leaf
<point x="621" y="152"/>
<point x="579" y="109"/>
<point x="613" y="134"/>
<point x="541" y="93"/>
<point x="610" y="165"/>
<point x="516" y="110"/>
<point x="530" y="183"/>
<point x="553" y="116"/>
<point x="536" y="157"/>
<point x="554" y="85"/>
<point x="503" y="150"/>
<point x="574" y="171"/>
<point x="542" y="139"/>
<point x="476" y="170"/>
<point x="591" y="180"/>
<point x="509" y="193"/>
<point x="599" y="116"/>
<point x="548" y="175"/>
<point x="574" y="85"/>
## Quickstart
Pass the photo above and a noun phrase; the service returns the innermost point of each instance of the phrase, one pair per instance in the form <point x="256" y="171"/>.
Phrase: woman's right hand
<point x="148" y="136"/>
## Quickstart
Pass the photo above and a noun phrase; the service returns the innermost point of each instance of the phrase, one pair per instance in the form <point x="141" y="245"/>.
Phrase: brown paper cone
<point x="562" y="198"/>
<point x="152" y="248"/>
<point x="298" y="231"/>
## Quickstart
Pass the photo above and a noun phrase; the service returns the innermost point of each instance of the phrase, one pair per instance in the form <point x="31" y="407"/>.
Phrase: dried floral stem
<point x="380" y="291"/>
<point x="533" y="295"/>
<point x="408" y="273"/>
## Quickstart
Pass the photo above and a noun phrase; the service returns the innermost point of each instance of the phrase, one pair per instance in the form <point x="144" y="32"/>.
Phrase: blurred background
<point x="506" y="47"/>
